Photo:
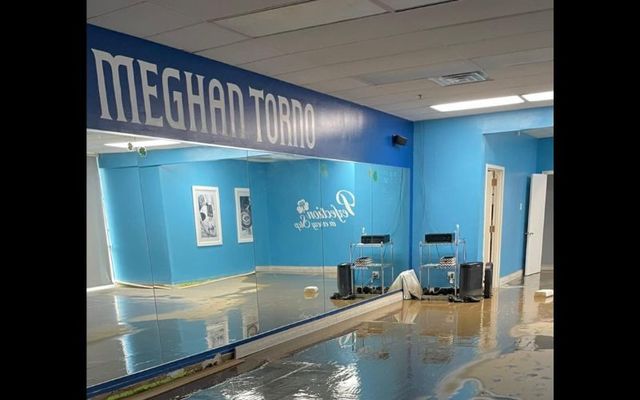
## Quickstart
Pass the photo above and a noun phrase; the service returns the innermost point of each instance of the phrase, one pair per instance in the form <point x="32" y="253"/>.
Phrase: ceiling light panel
<point x="480" y="103"/>
<point x="300" y="16"/>
<point x="145" y="143"/>
<point x="540" y="96"/>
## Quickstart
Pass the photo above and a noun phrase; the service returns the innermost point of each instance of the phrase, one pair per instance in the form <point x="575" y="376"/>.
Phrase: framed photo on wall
<point x="244" y="220"/>
<point x="206" y="209"/>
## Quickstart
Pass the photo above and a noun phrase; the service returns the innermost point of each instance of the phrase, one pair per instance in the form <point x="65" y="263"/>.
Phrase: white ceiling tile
<point x="300" y="16"/>
<point x="515" y="71"/>
<point x="335" y="85"/>
<point x="142" y="20"/>
<point x="99" y="7"/>
<point x="390" y="24"/>
<point x="353" y="69"/>
<point x="279" y="65"/>
<point x="504" y="45"/>
<point x="215" y="9"/>
<point x="198" y="37"/>
<point x="405" y="43"/>
<point x="494" y="47"/>
<point x="416" y="103"/>
<point x="421" y="72"/>
<point x="515" y="58"/>
<point x="437" y="94"/>
<point x="404" y="4"/>
<point x="241" y="52"/>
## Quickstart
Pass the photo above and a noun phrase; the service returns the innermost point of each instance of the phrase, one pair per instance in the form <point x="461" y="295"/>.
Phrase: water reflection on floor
<point x="132" y="329"/>
<point x="499" y="348"/>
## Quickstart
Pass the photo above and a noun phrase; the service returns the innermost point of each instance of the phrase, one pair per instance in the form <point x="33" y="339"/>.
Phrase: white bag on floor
<point x="408" y="282"/>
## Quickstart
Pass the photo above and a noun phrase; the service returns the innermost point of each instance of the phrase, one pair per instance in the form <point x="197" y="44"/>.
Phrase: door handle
<point x="528" y="233"/>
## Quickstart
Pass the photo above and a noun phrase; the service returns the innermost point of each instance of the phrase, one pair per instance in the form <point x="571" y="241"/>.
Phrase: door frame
<point x="499" y="201"/>
<point x="529" y="225"/>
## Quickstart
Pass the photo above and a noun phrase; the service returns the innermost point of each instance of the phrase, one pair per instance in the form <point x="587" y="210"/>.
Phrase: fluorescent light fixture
<point x="481" y="103"/>
<point x="541" y="96"/>
<point x="143" y="143"/>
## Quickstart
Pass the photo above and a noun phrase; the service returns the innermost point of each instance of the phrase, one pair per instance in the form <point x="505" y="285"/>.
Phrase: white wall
<point x="547" y="242"/>
<point x="98" y="269"/>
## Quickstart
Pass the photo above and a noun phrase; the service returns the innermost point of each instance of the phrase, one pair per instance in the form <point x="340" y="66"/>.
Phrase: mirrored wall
<point x="192" y="247"/>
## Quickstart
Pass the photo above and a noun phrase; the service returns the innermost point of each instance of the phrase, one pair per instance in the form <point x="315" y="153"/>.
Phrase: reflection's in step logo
<point x="321" y="217"/>
<point x="303" y="206"/>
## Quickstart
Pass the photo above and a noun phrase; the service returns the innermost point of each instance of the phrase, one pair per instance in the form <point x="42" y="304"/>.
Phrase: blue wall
<point x="545" y="155"/>
<point x="150" y="215"/>
<point x="157" y="190"/>
<point x="127" y="225"/>
<point x="188" y="261"/>
<point x="518" y="155"/>
<point x="343" y="130"/>
<point x="381" y="206"/>
<point x="448" y="177"/>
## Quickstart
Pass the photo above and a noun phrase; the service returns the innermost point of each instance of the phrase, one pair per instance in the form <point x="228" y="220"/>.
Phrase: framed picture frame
<point x="206" y="210"/>
<point x="218" y="333"/>
<point x="244" y="218"/>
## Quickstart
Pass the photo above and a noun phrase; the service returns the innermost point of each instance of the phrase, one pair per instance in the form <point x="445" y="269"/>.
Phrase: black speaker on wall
<point x="399" y="140"/>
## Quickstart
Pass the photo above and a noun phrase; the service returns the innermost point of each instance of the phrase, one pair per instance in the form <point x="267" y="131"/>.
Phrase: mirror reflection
<point x="192" y="247"/>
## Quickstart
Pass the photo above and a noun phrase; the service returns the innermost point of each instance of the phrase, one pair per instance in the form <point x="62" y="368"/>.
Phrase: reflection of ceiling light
<point x="143" y="143"/>
<point x="541" y="96"/>
<point x="481" y="103"/>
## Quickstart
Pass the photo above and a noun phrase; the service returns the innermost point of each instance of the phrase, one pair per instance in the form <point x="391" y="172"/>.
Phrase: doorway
<point x="536" y="223"/>
<point x="492" y="231"/>
<point x="547" y="239"/>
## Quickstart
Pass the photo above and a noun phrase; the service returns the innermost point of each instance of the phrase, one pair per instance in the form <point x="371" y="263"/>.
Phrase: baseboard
<point x="283" y="269"/>
<point x="508" y="278"/>
<point x="224" y="278"/>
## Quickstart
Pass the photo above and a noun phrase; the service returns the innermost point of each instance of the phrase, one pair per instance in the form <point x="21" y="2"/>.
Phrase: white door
<point x="535" y="226"/>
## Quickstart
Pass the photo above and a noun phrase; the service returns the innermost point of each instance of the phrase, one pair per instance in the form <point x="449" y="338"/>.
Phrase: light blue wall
<point x="188" y="261"/>
<point x="518" y="155"/>
<point x="151" y="226"/>
<point x="260" y="209"/>
<point x="381" y="206"/>
<point x="545" y="155"/>
<point x="164" y="235"/>
<point x="449" y="162"/>
<point x="288" y="182"/>
<point x="126" y="224"/>
<point x="156" y="221"/>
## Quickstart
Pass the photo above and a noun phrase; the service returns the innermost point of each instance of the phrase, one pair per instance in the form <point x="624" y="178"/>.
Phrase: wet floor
<point x="132" y="329"/>
<point x="499" y="348"/>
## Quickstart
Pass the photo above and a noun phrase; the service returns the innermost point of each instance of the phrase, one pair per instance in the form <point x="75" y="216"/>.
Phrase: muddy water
<point x="499" y="348"/>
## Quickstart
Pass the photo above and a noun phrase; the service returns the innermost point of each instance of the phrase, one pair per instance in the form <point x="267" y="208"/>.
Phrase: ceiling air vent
<point x="460" y="79"/>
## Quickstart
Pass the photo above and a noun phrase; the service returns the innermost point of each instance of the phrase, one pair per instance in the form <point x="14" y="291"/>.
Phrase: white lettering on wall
<point x="297" y="122"/>
<point x="149" y="91"/>
<point x="236" y="93"/>
<point x="325" y="217"/>
<point x="216" y="103"/>
<point x="196" y="100"/>
<point x="115" y="63"/>
<point x="177" y="98"/>
<point x="257" y="96"/>
<point x="271" y="116"/>
<point x="287" y="121"/>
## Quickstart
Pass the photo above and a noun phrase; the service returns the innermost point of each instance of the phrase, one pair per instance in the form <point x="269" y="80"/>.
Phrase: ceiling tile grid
<point x="379" y="53"/>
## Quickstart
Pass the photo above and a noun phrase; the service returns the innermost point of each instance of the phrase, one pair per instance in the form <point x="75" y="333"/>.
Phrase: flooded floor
<point x="132" y="329"/>
<point x="499" y="348"/>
